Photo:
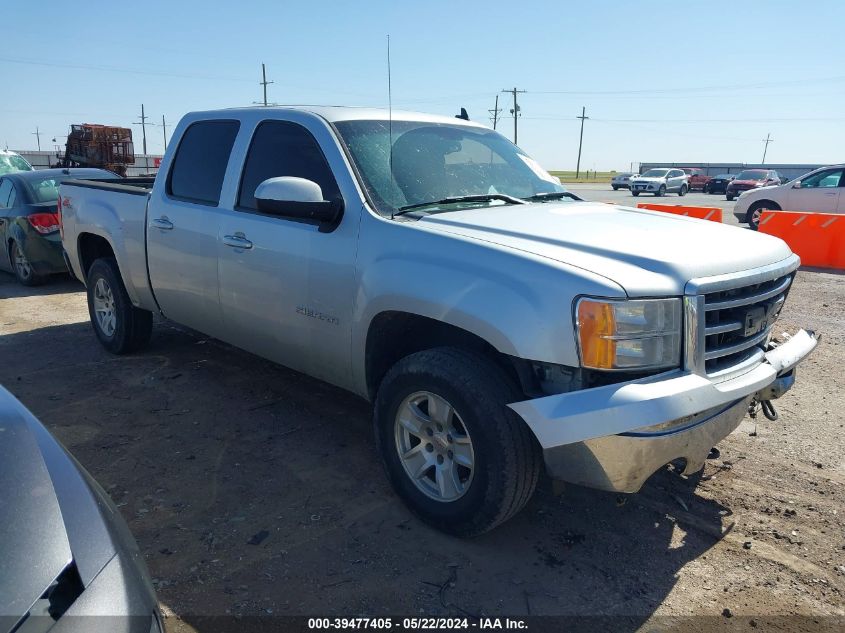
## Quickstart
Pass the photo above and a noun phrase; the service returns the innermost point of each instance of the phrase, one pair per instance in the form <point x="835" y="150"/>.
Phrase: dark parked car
<point x="751" y="179"/>
<point x="718" y="184"/>
<point x="29" y="221"/>
<point x="67" y="558"/>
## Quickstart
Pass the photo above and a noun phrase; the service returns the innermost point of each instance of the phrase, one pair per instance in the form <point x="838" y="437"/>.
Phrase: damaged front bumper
<point x="615" y="437"/>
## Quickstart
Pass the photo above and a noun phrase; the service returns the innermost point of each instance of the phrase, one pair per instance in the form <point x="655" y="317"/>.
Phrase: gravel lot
<point x="604" y="193"/>
<point x="254" y="490"/>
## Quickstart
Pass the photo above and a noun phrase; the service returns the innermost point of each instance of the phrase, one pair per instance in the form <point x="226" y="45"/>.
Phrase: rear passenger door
<point x="286" y="286"/>
<point x="182" y="226"/>
<point x="676" y="178"/>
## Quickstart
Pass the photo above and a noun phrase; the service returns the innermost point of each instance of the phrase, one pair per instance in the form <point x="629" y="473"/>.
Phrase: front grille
<point x="738" y="323"/>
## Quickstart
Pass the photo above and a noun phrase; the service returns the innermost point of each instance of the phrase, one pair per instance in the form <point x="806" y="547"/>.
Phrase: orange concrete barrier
<point x="714" y="214"/>
<point x="817" y="238"/>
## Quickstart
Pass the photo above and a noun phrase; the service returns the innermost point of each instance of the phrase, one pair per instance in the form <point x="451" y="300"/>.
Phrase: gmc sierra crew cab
<point x="498" y="324"/>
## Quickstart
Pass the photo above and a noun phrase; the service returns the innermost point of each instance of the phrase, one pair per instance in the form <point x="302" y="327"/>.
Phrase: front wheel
<point x="24" y="272"/>
<point x="120" y="326"/>
<point x="635" y="193"/>
<point x="729" y="197"/>
<point x="615" y="188"/>
<point x="755" y="211"/>
<point x="459" y="458"/>
<point x="661" y="192"/>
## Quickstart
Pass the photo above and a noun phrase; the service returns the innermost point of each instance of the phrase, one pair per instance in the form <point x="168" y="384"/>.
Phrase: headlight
<point x="627" y="335"/>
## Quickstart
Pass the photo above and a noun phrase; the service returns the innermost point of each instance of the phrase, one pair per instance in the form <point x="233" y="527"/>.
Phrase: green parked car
<point x="29" y="221"/>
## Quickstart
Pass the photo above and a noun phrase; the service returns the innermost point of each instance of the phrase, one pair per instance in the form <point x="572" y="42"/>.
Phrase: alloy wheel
<point x="104" y="307"/>
<point x="434" y="446"/>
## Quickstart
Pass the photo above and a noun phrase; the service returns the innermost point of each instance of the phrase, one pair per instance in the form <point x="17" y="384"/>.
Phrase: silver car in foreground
<point x="67" y="559"/>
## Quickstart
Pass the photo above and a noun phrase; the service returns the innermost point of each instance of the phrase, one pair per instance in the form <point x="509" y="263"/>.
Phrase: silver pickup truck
<point x="496" y="322"/>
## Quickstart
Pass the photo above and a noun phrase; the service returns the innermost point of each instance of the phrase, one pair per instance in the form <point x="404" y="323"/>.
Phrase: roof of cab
<point x="335" y="114"/>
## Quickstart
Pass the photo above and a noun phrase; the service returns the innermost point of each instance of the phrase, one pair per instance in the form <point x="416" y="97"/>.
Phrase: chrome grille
<point x="738" y="323"/>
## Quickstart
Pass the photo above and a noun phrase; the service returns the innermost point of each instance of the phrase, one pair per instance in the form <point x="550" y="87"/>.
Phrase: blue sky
<point x="661" y="80"/>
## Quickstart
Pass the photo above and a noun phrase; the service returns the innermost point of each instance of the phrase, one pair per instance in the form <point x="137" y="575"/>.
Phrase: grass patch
<point x="584" y="176"/>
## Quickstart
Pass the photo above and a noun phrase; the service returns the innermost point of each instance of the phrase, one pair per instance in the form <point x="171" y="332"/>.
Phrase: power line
<point x="515" y="112"/>
<point x="583" y="118"/>
<point x="143" y="123"/>
<point x="494" y="113"/>
<point x="264" y="82"/>
<point x="766" y="140"/>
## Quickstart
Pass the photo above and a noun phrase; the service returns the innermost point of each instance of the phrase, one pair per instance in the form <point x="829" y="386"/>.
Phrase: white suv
<point x="820" y="191"/>
<point x="661" y="181"/>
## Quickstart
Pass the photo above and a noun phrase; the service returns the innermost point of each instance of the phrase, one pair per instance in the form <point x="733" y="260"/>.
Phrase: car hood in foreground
<point x="646" y="252"/>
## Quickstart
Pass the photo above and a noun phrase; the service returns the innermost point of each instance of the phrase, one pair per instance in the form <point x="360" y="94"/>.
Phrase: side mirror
<point x="297" y="198"/>
<point x="797" y="184"/>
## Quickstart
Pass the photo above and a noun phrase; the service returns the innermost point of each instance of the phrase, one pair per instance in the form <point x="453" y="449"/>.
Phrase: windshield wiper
<point x="553" y="195"/>
<point x="485" y="197"/>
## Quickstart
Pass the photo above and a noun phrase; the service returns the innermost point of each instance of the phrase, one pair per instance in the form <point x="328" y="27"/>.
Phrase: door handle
<point x="237" y="241"/>
<point x="162" y="223"/>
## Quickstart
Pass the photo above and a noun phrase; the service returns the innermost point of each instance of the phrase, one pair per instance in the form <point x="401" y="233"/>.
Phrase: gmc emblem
<point x="758" y="318"/>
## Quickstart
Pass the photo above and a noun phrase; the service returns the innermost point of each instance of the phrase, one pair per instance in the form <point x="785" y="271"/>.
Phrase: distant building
<point x="144" y="164"/>
<point x="788" y="171"/>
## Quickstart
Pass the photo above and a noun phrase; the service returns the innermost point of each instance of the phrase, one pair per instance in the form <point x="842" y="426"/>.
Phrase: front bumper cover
<point x="614" y="437"/>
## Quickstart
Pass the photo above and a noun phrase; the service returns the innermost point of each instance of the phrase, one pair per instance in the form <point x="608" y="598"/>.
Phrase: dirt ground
<point x="255" y="491"/>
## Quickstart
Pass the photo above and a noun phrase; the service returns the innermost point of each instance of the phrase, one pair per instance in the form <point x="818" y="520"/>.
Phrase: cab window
<point x="282" y="148"/>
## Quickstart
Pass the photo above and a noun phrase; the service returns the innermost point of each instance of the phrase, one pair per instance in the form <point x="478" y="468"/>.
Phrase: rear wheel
<point x="635" y="193"/>
<point x="24" y="272"/>
<point x="683" y="191"/>
<point x="120" y="326"/>
<point x="729" y="197"/>
<point x="459" y="458"/>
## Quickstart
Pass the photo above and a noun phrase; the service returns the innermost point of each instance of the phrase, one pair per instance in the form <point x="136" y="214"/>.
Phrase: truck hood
<point x="646" y="252"/>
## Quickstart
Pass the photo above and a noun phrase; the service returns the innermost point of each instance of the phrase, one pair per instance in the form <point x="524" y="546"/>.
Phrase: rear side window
<point x="282" y="148"/>
<point x="200" y="163"/>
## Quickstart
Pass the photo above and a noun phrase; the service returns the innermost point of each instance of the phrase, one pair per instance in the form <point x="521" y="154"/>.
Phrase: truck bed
<point x="139" y="185"/>
<point x="115" y="212"/>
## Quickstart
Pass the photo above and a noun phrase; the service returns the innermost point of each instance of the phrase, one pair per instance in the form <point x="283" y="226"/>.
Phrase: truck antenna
<point x="389" y="112"/>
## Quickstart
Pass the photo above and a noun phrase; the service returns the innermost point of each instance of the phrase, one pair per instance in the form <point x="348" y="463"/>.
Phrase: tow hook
<point x="767" y="407"/>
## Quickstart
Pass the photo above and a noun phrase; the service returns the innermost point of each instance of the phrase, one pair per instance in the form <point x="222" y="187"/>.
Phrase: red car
<point x="697" y="178"/>
<point x="751" y="179"/>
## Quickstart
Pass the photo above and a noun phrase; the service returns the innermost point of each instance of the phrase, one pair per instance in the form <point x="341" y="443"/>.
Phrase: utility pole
<point x="143" y="124"/>
<point x="766" y="140"/>
<point x="164" y="132"/>
<point x="37" y="135"/>
<point x="495" y="113"/>
<point x="583" y="118"/>
<point x="515" y="112"/>
<point x="264" y="82"/>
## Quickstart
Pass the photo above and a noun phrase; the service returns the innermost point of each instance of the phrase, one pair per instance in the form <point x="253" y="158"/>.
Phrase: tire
<point x="704" y="189"/>
<point x="120" y="326"/>
<point x="729" y="197"/>
<point x="752" y="217"/>
<point x="23" y="270"/>
<point x="505" y="458"/>
<point x="661" y="192"/>
<point x="635" y="193"/>
<point x="683" y="191"/>
<point x="615" y="188"/>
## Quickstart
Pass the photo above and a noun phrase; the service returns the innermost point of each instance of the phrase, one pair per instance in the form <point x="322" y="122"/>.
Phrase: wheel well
<point x="394" y="335"/>
<point x="769" y="204"/>
<point x="91" y="248"/>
